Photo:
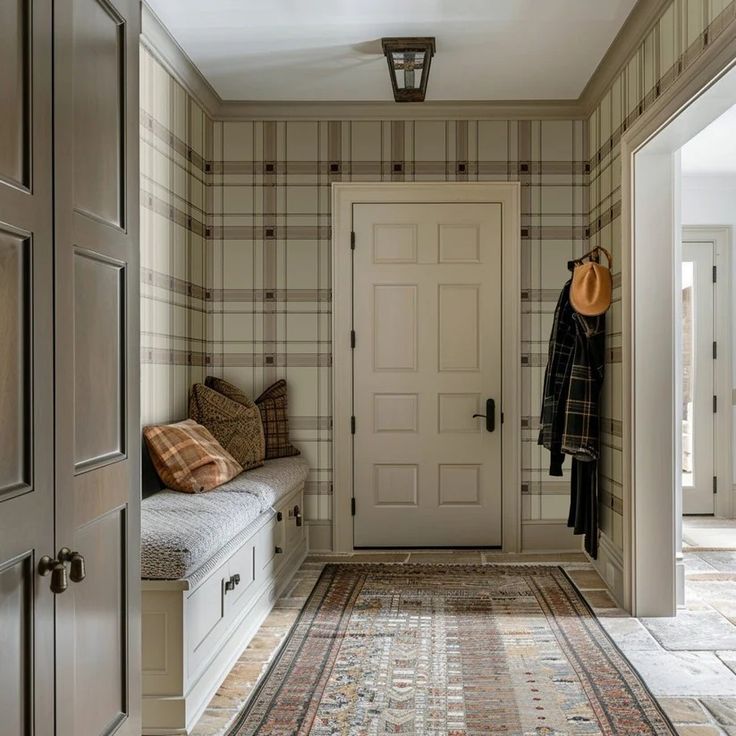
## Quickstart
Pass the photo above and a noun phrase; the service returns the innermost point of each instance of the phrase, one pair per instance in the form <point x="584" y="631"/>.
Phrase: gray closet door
<point x="26" y="364"/>
<point x="97" y="359"/>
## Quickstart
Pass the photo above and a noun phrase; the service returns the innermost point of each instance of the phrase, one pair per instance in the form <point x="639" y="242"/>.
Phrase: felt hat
<point x="592" y="286"/>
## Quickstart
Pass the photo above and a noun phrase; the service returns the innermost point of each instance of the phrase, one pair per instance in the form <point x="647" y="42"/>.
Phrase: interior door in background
<point x="26" y="365"/>
<point x="427" y="358"/>
<point x="96" y="118"/>
<point x="698" y="378"/>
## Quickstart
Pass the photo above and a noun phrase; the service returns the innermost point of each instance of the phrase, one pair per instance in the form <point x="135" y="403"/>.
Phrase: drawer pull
<point x="298" y="515"/>
<point x="279" y="516"/>
<point x="232" y="582"/>
<point x="279" y="550"/>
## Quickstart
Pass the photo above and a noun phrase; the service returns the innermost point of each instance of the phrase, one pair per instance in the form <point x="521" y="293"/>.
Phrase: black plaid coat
<point x="569" y="423"/>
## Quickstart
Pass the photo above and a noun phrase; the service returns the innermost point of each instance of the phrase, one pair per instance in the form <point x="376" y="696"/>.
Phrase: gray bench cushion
<point x="185" y="536"/>
<point x="272" y="481"/>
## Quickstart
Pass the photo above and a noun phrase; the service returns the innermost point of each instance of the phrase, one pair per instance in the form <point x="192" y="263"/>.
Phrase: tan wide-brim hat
<point x="592" y="287"/>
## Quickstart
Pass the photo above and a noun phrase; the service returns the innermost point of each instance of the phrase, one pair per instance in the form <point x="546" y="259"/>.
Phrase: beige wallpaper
<point x="270" y="270"/>
<point x="675" y="42"/>
<point x="174" y="131"/>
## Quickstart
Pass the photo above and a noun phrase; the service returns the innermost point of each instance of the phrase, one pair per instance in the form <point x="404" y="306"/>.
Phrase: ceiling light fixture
<point x="408" y="65"/>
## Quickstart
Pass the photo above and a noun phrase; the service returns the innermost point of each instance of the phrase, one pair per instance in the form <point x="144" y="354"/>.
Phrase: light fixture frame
<point x="412" y="43"/>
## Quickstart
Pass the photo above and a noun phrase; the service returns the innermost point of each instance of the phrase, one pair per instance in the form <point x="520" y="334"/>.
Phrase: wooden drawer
<point x="241" y="577"/>
<point x="270" y="545"/>
<point x="205" y="618"/>
<point x="294" y="522"/>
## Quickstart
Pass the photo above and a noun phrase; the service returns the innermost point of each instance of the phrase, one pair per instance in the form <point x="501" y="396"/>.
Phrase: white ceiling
<point x="713" y="150"/>
<point x="329" y="50"/>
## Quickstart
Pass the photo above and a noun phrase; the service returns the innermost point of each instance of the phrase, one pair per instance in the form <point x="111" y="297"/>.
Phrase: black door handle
<point x="490" y="415"/>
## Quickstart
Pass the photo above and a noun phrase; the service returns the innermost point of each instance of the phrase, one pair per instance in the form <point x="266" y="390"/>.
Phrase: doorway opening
<point x="678" y="384"/>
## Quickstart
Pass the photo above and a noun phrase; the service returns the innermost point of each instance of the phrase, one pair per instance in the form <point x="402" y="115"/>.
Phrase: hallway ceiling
<point x="713" y="150"/>
<point x="329" y="50"/>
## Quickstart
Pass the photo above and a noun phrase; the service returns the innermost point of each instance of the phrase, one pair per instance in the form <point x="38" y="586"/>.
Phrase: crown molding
<point x="159" y="41"/>
<point x="635" y="29"/>
<point x="433" y="110"/>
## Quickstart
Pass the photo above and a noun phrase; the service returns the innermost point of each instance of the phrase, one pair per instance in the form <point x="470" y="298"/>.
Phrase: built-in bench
<point x="213" y="564"/>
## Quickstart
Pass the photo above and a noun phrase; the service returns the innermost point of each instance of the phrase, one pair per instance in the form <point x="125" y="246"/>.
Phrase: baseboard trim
<point x="610" y="566"/>
<point x="320" y="536"/>
<point x="548" y="536"/>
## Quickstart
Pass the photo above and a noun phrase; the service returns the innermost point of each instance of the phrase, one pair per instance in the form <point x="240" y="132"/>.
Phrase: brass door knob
<point x="57" y="567"/>
<point x="77" y="570"/>
<point x="59" y="580"/>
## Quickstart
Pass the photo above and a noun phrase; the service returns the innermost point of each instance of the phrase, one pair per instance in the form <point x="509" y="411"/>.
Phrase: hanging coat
<point x="570" y="417"/>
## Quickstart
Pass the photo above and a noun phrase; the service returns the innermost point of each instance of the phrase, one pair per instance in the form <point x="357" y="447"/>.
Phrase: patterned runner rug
<point x="449" y="650"/>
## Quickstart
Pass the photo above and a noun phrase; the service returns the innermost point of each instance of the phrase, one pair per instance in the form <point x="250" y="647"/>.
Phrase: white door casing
<point x="501" y="200"/>
<point x="427" y="318"/>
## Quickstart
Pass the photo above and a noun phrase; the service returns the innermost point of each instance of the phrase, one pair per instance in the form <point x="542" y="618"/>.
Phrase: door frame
<point x="652" y="517"/>
<point x="344" y="196"/>
<point x="720" y="237"/>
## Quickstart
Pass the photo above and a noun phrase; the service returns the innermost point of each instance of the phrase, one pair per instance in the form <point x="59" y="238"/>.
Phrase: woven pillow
<point x="188" y="458"/>
<point x="274" y="412"/>
<point x="236" y="427"/>
<point x="228" y="389"/>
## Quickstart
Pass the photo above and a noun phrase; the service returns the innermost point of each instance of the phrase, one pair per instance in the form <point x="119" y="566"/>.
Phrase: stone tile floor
<point x="689" y="662"/>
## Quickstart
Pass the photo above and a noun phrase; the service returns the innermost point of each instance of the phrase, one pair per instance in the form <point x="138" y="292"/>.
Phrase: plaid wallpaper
<point x="269" y="270"/>
<point x="676" y="41"/>
<point x="235" y="241"/>
<point x="174" y="131"/>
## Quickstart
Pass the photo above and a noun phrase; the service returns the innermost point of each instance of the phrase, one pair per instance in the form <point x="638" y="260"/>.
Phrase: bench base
<point x="193" y="637"/>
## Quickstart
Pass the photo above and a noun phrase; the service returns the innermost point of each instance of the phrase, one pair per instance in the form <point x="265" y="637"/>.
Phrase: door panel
<point x="26" y="364"/>
<point x="97" y="416"/>
<point x="99" y="105"/>
<point x="99" y="367"/>
<point x="101" y="639"/>
<point x="427" y="316"/>
<point x="15" y="90"/>
<point x="16" y="645"/>
<point x="698" y="334"/>
<point x="16" y="428"/>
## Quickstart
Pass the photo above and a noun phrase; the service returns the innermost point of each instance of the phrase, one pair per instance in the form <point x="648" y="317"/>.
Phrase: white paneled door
<point x="698" y="378"/>
<point x="427" y="359"/>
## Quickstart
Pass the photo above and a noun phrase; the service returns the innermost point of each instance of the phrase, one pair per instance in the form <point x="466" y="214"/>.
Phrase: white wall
<point x="711" y="200"/>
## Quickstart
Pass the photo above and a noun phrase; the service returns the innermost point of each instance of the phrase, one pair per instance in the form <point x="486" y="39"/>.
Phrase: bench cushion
<point x="271" y="482"/>
<point x="186" y="536"/>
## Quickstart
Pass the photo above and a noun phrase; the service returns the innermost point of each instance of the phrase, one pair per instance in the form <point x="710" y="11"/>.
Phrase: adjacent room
<point x="369" y="368"/>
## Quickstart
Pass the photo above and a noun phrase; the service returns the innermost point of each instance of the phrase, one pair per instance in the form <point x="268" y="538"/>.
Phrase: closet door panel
<point x="16" y="613"/>
<point x="26" y="364"/>
<point x="99" y="108"/>
<point x="97" y="397"/>
<point x="16" y="428"/>
<point x="101" y="640"/>
<point x="15" y="91"/>
<point x="99" y="360"/>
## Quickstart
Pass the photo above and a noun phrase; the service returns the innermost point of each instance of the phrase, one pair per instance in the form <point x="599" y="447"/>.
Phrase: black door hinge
<point x="715" y="274"/>
<point x="352" y="240"/>
<point x="715" y="404"/>
<point x="715" y="350"/>
<point x="352" y="425"/>
<point x="352" y="339"/>
<point x="352" y="505"/>
<point x="715" y="484"/>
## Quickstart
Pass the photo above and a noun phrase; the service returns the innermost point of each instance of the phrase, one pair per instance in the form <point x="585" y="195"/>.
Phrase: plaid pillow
<point x="274" y="412"/>
<point x="236" y="427"/>
<point x="188" y="458"/>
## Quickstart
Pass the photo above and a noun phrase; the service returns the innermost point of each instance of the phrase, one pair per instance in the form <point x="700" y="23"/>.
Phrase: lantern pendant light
<point x="408" y="64"/>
